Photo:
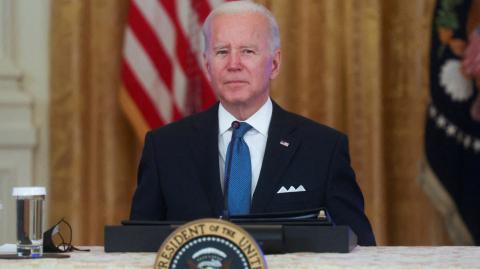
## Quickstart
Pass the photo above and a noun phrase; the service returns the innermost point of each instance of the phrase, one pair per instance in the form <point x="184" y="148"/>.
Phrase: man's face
<point x="239" y="59"/>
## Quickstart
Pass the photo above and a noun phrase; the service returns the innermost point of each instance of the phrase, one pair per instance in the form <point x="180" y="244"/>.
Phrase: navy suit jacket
<point x="178" y="176"/>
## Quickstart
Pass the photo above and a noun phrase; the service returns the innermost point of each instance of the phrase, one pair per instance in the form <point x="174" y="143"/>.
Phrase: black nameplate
<point x="272" y="238"/>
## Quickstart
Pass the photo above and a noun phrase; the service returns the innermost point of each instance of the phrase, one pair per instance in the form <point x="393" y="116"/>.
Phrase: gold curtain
<point x="93" y="149"/>
<point x="360" y="66"/>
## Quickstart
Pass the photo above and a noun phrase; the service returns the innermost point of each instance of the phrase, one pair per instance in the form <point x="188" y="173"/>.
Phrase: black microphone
<point x="226" y="214"/>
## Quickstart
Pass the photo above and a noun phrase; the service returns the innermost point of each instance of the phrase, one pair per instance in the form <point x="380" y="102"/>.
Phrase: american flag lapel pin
<point x="284" y="143"/>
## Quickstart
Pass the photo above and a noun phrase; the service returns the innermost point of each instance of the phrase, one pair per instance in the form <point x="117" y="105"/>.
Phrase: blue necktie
<point x="240" y="185"/>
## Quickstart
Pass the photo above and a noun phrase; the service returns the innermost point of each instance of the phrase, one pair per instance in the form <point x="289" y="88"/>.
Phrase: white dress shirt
<point x="256" y="138"/>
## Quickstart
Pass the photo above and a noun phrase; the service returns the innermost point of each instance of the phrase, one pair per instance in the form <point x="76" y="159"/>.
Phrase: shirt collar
<point x="260" y="121"/>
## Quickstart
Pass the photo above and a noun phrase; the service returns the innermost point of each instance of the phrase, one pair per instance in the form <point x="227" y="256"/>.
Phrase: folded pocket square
<point x="291" y="189"/>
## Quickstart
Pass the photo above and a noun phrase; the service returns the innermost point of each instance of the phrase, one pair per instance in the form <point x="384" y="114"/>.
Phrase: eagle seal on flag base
<point x="451" y="174"/>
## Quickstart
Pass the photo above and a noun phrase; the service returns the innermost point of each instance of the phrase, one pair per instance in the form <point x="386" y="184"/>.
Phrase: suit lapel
<point x="280" y="148"/>
<point x="204" y="145"/>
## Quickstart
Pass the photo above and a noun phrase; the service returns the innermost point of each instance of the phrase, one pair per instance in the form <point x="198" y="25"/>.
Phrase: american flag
<point x="162" y="71"/>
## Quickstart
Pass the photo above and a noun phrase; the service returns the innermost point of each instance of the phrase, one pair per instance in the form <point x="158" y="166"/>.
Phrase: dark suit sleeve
<point x="147" y="201"/>
<point x="344" y="197"/>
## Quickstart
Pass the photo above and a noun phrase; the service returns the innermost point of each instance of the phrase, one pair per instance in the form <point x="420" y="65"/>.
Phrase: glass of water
<point x="29" y="220"/>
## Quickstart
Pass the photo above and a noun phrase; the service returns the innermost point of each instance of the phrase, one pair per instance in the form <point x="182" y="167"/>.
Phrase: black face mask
<point x="59" y="238"/>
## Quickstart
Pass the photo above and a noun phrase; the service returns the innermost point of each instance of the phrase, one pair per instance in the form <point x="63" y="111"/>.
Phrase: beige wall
<point x="24" y="91"/>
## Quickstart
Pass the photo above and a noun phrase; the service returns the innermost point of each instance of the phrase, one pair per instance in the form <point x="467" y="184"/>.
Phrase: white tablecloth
<point x="360" y="257"/>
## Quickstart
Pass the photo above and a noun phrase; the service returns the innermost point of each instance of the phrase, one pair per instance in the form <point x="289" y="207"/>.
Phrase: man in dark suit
<point x="293" y="162"/>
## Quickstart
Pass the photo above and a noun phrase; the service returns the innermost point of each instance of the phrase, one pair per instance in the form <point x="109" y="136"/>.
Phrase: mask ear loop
<point x="63" y="247"/>
<point x="71" y="247"/>
<point x="48" y="244"/>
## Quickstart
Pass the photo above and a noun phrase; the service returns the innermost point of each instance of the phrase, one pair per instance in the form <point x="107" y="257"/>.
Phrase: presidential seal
<point x="209" y="244"/>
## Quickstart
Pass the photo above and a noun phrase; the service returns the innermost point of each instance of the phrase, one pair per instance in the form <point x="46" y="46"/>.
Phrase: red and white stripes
<point x="162" y="71"/>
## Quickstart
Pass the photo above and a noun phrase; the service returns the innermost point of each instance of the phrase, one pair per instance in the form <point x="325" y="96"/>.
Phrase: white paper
<point x="8" y="248"/>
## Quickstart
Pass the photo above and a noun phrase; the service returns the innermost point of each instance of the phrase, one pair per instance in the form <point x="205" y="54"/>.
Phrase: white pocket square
<point x="291" y="189"/>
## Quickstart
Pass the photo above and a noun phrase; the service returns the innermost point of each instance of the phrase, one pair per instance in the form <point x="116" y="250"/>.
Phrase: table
<point x="360" y="257"/>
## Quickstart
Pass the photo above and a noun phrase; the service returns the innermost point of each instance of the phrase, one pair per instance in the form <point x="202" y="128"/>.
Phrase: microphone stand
<point x="226" y="213"/>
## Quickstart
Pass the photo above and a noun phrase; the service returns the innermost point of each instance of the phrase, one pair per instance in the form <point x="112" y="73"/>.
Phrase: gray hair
<point x="243" y="7"/>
